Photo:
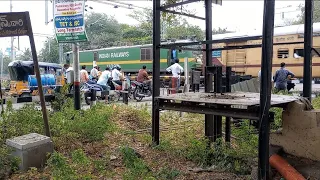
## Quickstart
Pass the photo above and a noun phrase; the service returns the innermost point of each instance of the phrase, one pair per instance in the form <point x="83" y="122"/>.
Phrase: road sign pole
<point x="75" y="49"/>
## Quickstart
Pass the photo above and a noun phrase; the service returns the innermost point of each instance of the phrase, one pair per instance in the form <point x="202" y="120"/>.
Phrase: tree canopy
<point x="316" y="13"/>
<point x="105" y="31"/>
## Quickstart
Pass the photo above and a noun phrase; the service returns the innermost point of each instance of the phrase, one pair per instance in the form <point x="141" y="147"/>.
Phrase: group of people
<point x="280" y="78"/>
<point x="102" y="78"/>
<point x="114" y="74"/>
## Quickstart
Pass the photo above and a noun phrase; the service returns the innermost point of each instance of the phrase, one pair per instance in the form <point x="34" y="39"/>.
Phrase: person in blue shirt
<point x="281" y="77"/>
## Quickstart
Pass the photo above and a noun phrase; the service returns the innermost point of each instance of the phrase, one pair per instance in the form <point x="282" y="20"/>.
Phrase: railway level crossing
<point x="215" y="104"/>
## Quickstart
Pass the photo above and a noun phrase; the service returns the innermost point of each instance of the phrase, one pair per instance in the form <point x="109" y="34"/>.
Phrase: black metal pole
<point x="308" y="34"/>
<point x="156" y="72"/>
<point x="265" y="88"/>
<point x="218" y="89"/>
<point x="207" y="77"/>
<point x="228" y="119"/>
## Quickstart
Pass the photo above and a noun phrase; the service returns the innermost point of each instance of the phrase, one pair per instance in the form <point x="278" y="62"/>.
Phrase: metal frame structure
<point x="214" y="112"/>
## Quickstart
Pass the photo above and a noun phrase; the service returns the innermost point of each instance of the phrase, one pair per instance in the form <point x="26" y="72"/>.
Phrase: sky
<point x="241" y="16"/>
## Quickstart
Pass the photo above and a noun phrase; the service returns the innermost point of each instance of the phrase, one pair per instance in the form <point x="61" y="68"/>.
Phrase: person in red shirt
<point x="143" y="76"/>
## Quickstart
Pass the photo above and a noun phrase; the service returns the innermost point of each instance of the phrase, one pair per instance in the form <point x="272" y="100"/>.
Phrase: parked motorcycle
<point x="100" y="93"/>
<point x="141" y="90"/>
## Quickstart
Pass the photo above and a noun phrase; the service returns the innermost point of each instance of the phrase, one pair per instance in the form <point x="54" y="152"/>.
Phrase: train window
<point x="298" y="53"/>
<point x="283" y="53"/>
<point x="146" y="54"/>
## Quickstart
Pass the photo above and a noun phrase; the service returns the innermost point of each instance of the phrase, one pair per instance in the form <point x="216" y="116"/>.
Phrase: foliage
<point x="26" y="55"/>
<point x="8" y="163"/>
<point x="6" y="61"/>
<point x="137" y="168"/>
<point x="102" y="30"/>
<point x="316" y="13"/>
<point x="316" y="102"/>
<point x="166" y="173"/>
<point x="50" y="51"/>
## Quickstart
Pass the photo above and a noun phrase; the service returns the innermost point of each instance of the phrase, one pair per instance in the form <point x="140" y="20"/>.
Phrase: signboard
<point x="69" y="21"/>
<point x="13" y="24"/>
<point x="216" y="54"/>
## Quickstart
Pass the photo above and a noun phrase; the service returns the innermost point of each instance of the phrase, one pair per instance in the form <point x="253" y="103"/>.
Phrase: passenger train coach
<point x="248" y="61"/>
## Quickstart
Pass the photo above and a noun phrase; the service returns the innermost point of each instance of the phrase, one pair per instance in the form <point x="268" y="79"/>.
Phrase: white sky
<point x="234" y="15"/>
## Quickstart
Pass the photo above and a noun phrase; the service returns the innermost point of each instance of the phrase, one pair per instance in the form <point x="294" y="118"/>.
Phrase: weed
<point x="167" y="173"/>
<point x="137" y="168"/>
<point x="8" y="163"/>
<point x="60" y="167"/>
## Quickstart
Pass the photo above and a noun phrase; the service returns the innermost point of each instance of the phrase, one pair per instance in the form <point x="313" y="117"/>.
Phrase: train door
<point x="95" y="58"/>
<point x="171" y="56"/>
<point x="236" y="58"/>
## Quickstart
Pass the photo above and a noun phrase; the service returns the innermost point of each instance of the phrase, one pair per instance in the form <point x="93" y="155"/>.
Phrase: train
<point x="244" y="62"/>
<point x="248" y="61"/>
<point x="132" y="58"/>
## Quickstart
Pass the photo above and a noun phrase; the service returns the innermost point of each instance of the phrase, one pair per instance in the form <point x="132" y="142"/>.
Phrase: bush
<point x="8" y="163"/>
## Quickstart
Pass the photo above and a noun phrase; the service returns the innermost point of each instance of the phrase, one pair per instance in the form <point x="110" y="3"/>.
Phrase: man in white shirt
<point x="94" y="72"/>
<point x="176" y="70"/>
<point x="116" y="75"/>
<point x="103" y="79"/>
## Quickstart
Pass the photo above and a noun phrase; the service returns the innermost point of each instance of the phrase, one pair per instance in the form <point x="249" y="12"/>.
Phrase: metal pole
<point x="1" y="58"/>
<point x="60" y="53"/>
<point x="1" y="71"/>
<point x="228" y="119"/>
<point x="37" y="72"/>
<point x="186" y="75"/>
<point x="46" y="21"/>
<point x="207" y="77"/>
<point x="308" y="34"/>
<point x="265" y="88"/>
<point x="217" y="123"/>
<point x="12" y="38"/>
<point x="77" y="103"/>
<point x="156" y="73"/>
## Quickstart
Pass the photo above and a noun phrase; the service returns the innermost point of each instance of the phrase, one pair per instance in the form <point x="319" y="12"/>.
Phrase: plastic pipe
<point x="284" y="168"/>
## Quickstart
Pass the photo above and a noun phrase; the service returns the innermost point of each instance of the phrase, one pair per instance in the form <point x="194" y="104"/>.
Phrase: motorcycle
<point x="100" y="93"/>
<point x="141" y="90"/>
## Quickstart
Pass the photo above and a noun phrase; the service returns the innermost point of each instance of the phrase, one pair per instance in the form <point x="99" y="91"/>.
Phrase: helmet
<point x="118" y="67"/>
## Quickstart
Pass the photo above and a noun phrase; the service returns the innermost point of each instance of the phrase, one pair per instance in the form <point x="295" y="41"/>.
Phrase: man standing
<point x="84" y="76"/>
<point x="281" y="77"/>
<point x="94" y="72"/>
<point x="176" y="70"/>
<point x="143" y="76"/>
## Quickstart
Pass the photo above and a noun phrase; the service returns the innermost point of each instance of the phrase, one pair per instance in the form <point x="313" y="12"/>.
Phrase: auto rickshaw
<point x="23" y="80"/>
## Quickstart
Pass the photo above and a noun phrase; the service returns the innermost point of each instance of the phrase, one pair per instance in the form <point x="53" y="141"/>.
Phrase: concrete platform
<point x="31" y="149"/>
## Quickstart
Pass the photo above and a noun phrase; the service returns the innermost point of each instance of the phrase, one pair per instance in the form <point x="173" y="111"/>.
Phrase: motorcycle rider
<point x="143" y="76"/>
<point x="116" y="75"/>
<point x="104" y="78"/>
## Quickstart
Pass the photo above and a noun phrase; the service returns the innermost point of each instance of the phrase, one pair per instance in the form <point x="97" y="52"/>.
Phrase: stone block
<point x="31" y="149"/>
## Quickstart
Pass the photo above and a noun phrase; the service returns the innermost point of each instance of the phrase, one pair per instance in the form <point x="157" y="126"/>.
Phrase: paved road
<point x="147" y="100"/>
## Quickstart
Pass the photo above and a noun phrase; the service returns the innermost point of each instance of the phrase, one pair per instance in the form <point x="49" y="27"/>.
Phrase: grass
<point x="106" y="142"/>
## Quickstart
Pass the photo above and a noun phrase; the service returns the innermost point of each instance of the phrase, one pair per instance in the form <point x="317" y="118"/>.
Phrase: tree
<point x="26" y="55"/>
<point x="6" y="61"/>
<point x="102" y="31"/>
<point x="316" y="14"/>
<point x="50" y="51"/>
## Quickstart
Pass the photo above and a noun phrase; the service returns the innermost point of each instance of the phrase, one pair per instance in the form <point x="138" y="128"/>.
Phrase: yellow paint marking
<point x="125" y="62"/>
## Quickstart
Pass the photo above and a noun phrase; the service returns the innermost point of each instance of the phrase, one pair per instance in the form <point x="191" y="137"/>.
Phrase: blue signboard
<point x="69" y="21"/>
<point x="216" y="53"/>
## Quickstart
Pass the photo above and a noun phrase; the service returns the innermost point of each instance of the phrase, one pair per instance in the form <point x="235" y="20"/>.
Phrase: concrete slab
<point x="31" y="149"/>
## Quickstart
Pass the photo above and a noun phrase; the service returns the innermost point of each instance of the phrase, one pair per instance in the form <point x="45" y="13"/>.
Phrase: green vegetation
<point x="111" y="141"/>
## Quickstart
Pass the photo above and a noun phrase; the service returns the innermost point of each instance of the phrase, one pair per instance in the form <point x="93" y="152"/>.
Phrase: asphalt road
<point x="147" y="100"/>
